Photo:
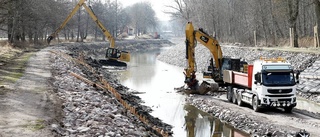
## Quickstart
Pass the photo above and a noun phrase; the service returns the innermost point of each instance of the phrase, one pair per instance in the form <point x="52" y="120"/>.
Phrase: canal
<point x="156" y="81"/>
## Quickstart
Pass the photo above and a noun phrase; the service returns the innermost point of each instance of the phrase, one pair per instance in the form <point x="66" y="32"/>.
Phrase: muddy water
<point x="157" y="81"/>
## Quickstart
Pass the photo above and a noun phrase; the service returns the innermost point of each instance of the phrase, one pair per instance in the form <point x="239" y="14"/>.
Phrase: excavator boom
<point x="75" y="9"/>
<point x="192" y="36"/>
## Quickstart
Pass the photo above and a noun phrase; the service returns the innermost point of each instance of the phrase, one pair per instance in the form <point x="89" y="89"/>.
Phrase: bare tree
<point x="142" y="17"/>
<point x="293" y="7"/>
<point x="317" y="11"/>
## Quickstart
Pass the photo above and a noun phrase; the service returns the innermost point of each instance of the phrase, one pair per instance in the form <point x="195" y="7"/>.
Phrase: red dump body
<point x="239" y="78"/>
<point x="243" y="79"/>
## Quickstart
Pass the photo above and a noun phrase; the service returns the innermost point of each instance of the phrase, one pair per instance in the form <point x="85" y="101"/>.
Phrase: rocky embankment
<point x="89" y="111"/>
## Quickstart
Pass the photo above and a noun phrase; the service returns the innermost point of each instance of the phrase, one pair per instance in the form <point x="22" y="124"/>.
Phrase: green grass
<point x="15" y="69"/>
<point x="35" y="125"/>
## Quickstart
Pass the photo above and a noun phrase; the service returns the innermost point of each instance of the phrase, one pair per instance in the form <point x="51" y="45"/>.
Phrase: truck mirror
<point x="297" y="76"/>
<point x="256" y="77"/>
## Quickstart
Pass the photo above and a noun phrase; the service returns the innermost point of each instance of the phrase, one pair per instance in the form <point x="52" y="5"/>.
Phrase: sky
<point x="157" y="5"/>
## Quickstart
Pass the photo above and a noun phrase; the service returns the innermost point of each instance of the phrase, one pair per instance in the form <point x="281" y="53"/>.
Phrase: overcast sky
<point x="157" y="5"/>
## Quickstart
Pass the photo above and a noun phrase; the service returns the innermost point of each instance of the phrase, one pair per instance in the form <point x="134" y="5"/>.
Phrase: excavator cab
<point x="113" y="53"/>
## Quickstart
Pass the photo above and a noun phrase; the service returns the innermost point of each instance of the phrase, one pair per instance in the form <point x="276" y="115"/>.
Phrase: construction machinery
<point x="265" y="84"/>
<point x="192" y="36"/>
<point x="114" y="57"/>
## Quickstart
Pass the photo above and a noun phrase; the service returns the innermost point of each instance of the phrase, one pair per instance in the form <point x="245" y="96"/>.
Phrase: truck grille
<point x="288" y="95"/>
<point x="279" y="91"/>
<point x="288" y="99"/>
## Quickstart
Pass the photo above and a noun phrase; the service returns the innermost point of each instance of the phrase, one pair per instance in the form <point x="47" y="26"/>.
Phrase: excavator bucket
<point x="203" y="88"/>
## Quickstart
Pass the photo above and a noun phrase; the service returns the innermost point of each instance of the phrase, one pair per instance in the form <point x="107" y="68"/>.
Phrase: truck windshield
<point x="278" y="79"/>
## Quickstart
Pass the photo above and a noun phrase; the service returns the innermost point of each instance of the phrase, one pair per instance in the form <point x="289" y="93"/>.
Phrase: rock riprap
<point x="92" y="112"/>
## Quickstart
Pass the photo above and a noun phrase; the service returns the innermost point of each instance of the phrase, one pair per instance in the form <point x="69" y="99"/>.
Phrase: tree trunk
<point x="293" y="6"/>
<point x="79" y="19"/>
<point x="317" y="11"/>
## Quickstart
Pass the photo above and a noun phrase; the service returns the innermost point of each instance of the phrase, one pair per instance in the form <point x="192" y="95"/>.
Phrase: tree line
<point x="237" y="20"/>
<point x="34" y="20"/>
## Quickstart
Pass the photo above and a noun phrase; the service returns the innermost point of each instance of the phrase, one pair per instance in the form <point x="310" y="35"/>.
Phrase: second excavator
<point x="208" y="84"/>
<point x="114" y="57"/>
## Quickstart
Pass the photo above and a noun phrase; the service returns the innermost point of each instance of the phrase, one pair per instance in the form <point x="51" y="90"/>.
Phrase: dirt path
<point x="26" y="103"/>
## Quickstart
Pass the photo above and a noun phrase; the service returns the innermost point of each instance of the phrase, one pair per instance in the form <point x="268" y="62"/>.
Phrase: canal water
<point x="156" y="81"/>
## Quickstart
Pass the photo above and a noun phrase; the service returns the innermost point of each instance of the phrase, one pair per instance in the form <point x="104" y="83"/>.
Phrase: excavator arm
<point x="111" y="53"/>
<point x="192" y="37"/>
<point x="75" y="9"/>
<point x="99" y="24"/>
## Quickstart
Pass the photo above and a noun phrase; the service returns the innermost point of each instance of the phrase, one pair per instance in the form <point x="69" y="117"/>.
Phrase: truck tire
<point x="234" y="97"/>
<point x="239" y="99"/>
<point x="255" y="105"/>
<point x="288" y="109"/>
<point x="229" y="93"/>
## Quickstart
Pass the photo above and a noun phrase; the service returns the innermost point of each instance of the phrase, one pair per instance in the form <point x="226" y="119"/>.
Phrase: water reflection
<point x="157" y="81"/>
<point x="138" y="75"/>
<point x="201" y="124"/>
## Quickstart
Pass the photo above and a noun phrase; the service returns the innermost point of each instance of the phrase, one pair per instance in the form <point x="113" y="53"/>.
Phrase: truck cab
<point x="274" y="84"/>
<point x="268" y="83"/>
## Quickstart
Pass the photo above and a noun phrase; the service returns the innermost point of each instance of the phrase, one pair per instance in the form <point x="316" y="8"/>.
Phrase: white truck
<point x="265" y="84"/>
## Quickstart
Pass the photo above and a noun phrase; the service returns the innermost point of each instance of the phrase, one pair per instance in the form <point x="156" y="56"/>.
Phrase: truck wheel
<point x="288" y="109"/>
<point x="229" y="93"/>
<point x="239" y="99"/>
<point x="255" y="106"/>
<point x="234" y="97"/>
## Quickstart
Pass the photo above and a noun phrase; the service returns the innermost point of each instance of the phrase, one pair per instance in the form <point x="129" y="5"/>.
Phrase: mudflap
<point x="110" y="62"/>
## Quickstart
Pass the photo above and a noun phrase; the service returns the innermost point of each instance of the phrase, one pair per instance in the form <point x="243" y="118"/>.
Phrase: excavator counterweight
<point x="114" y="57"/>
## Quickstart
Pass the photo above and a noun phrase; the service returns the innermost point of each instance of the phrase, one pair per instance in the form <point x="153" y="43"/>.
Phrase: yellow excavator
<point x="114" y="57"/>
<point x="211" y="79"/>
